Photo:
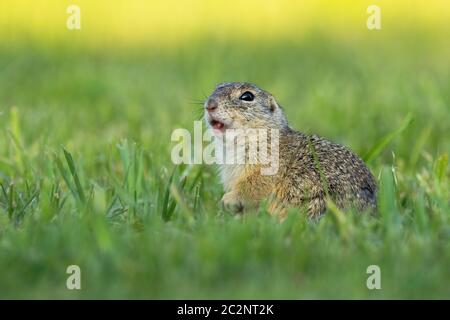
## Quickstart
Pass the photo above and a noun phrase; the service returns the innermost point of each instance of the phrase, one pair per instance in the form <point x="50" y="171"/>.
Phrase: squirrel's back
<point x="316" y="167"/>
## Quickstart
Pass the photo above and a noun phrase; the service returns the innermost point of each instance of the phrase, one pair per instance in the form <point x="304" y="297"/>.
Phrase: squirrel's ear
<point x="273" y="105"/>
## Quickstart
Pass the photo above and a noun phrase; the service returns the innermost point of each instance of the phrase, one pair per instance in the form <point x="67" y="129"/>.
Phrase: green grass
<point x="86" y="176"/>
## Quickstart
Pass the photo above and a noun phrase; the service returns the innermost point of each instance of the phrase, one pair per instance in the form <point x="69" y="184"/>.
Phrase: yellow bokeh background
<point x="171" y="22"/>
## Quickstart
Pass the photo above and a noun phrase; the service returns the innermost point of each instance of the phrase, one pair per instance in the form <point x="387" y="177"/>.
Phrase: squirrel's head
<point x="238" y="105"/>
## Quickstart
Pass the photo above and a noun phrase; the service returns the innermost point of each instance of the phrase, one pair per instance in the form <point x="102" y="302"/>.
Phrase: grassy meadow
<point x="85" y="171"/>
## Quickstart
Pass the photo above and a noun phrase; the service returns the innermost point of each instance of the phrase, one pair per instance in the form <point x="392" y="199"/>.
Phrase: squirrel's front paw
<point x="231" y="202"/>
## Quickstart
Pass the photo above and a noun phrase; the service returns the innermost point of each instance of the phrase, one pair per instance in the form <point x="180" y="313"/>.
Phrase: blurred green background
<point x="111" y="93"/>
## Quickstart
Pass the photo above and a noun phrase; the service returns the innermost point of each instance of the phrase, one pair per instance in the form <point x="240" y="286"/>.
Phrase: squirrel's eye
<point x="247" y="96"/>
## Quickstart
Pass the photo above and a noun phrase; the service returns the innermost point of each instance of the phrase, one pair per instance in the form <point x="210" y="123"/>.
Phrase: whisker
<point x="199" y="107"/>
<point x="200" y="117"/>
<point x="198" y="100"/>
<point x="198" y="113"/>
<point x="204" y="95"/>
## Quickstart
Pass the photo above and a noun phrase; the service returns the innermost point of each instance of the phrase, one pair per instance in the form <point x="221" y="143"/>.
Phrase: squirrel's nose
<point x="211" y="105"/>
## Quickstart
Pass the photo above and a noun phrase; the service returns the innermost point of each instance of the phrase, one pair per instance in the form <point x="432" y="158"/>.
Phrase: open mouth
<point x="217" y="125"/>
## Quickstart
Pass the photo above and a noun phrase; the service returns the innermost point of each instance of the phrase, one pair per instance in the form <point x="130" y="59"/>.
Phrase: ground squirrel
<point x="311" y="169"/>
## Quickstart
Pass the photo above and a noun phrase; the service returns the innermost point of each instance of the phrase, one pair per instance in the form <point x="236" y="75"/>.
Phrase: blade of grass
<point x="75" y="177"/>
<point x="25" y="206"/>
<point x="11" y="201"/>
<point x="388" y="204"/>
<point x="340" y="220"/>
<point x="166" y="211"/>
<point x="64" y="174"/>
<point x="440" y="166"/>
<point x="381" y="145"/>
